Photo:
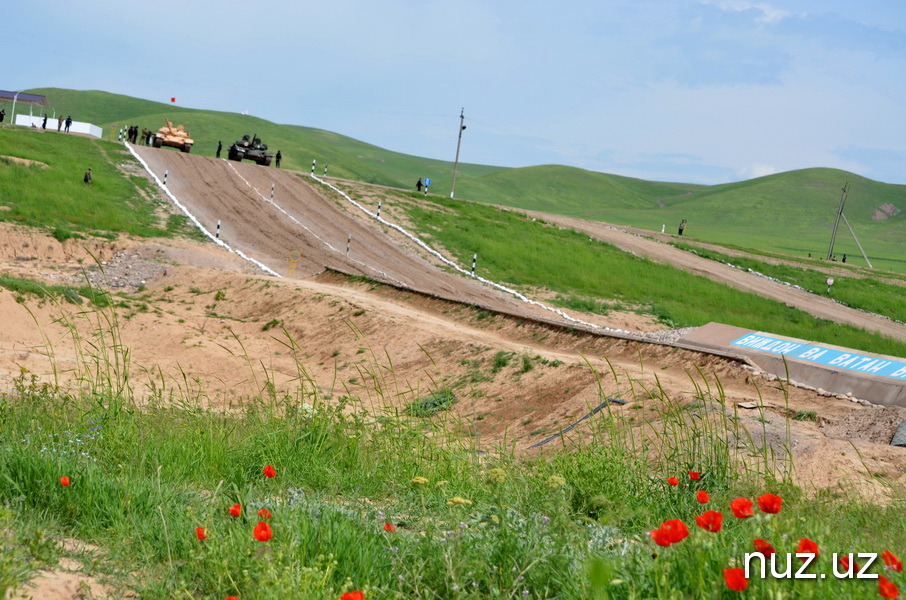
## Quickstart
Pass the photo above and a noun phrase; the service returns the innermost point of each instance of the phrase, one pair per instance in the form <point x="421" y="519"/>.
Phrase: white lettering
<point x="840" y="359"/>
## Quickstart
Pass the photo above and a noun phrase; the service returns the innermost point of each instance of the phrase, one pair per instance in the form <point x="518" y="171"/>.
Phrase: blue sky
<point x="700" y="91"/>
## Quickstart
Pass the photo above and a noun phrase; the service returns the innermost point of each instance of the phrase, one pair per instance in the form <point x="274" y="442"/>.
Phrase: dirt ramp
<point x="306" y="227"/>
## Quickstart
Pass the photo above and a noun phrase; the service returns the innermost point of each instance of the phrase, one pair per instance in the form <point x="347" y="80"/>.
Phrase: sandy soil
<point x="211" y="327"/>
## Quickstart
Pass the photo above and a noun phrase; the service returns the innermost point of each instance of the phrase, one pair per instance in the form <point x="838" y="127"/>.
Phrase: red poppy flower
<point x="694" y="475"/>
<point x="710" y="521"/>
<point x="673" y="481"/>
<point x="390" y="527"/>
<point x="64" y="480"/>
<point x="200" y="533"/>
<point x="263" y="532"/>
<point x="265" y="514"/>
<point x="742" y="508"/>
<point x="356" y="595"/>
<point x="845" y="563"/>
<point x="807" y="546"/>
<point x="891" y="561"/>
<point x="763" y="547"/>
<point x="231" y="598"/>
<point x="236" y="510"/>
<point x="660" y="537"/>
<point x="736" y="579"/>
<point x="702" y="497"/>
<point x="676" y="530"/>
<point x="269" y="471"/>
<point x="769" y="503"/>
<point x="887" y="588"/>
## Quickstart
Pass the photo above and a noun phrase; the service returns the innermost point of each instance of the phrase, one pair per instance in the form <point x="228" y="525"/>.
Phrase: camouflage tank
<point x="251" y="149"/>
<point x="175" y="137"/>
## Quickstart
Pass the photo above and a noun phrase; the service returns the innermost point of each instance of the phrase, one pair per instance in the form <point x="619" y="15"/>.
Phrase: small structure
<point x="31" y="100"/>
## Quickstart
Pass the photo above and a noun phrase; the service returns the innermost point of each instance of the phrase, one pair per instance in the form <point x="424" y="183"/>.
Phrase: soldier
<point x="219" y="148"/>
<point x="87" y="178"/>
<point x="278" y="157"/>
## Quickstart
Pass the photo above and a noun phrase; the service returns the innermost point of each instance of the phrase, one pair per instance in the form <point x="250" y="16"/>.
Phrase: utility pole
<point x="830" y="251"/>
<point x="458" y="142"/>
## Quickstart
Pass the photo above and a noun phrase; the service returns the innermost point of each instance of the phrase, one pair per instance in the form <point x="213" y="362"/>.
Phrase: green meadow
<point x="790" y="213"/>
<point x="291" y="494"/>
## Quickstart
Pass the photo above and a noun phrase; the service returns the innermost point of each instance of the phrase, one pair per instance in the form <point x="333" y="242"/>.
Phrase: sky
<point x="693" y="91"/>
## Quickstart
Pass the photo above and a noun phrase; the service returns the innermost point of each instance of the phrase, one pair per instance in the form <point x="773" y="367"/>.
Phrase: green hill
<point x="787" y="213"/>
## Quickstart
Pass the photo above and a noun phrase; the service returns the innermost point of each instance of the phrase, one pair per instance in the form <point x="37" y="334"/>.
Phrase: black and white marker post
<point x="379" y="209"/>
<point x="217" y="235"/>
<point x="474" y="260"/>
<point x="348" y="242"/>
<point x="313" y="161"/>
<point x="273" y="185"/>
<point x="325" y="169"/>
<point x="167" y="172"/>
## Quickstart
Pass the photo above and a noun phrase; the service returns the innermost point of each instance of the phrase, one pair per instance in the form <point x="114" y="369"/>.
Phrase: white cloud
<point x="769" y="14"/>
<point x="755" y="170"/>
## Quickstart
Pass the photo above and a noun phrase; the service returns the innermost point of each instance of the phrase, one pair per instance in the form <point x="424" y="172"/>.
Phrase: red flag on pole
<point x="172" y="99"/>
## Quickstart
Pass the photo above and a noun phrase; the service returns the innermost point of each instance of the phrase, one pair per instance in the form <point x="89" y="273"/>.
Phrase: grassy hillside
<point x="790" y="213"/>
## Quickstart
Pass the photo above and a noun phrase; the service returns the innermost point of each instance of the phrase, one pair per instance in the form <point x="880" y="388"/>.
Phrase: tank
<point x="250" y="148"/>
<point x="175" y="137"/>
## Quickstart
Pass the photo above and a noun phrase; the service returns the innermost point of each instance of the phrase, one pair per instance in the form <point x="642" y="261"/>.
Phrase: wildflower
<point x="64" y="480"/>
<point x="673" y="481"/>
<point x="764" y="548"/>
<point x="356" y="595"/>
<point x="555" y="482"/>
<point x="845" y="563"/>
<point x="736" y="579"/>
<point x="670" y="532"/>
<point x="710" y="521"/>
<point x="742" y="508"/>
<point x="200" y="533"/>
<point x="695" y="475"/>
<point x="236" y="510"/>
<point x="419" y="480"/>
<point x="269" y="471"/>
<point x="231" y="598"/>
<point x="807" y="546"/>
<point x="390" y="527"/>
<point x="497" y="476"/>
<point x="441" y="484"/>
<point x="265" y="514"/>
<point x="263" y="532"/>
<point x="891" y="561"/>
<point x="887" y="588"/>
<point x="495" y="519"/>
<point x="457" y="501"/>
<point x="769" y="503"/>
<point x="702" y="497"/>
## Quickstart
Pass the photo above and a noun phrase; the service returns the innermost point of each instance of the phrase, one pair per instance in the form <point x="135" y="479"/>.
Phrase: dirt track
<point x="388" y="345"/>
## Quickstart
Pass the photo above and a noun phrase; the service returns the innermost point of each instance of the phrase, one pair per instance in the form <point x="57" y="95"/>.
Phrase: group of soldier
<point x="132" y="135"/>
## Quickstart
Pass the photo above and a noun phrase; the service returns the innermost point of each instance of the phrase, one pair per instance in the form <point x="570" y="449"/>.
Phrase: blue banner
<point x="851" y="361"/>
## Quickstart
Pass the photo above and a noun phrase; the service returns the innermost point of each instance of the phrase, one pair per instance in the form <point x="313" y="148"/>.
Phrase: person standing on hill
<point x="219" y="148"/>
<point x="279" y="157"/>
<point x="68" y="123"/>
<point x="418" y="185"/>
<point x="44" y="122"/>
<point x="59" y="122"/>
<point x="2" y="114"/>
<point x="682" y="226"/>
<point x="87" y="178"/>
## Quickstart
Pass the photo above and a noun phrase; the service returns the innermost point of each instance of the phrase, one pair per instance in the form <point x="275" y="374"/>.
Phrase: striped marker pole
<point x="379" y="209"/>
<point x="167" y="172"/>
<point x="217" y="235"/>
<point x="313" y="161"/>
<point x="325" y="169"/>
<point x="348" y="242"/>
<point x="474" y="260"/>
<point x="273" y="185"/>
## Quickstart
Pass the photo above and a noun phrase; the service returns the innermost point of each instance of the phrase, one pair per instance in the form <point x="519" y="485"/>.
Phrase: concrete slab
<point x="877" y="378"/>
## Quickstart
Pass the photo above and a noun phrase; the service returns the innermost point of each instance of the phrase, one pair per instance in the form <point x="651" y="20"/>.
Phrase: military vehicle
<point x="251" y="149"/>
<point x="175" y="137"/>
